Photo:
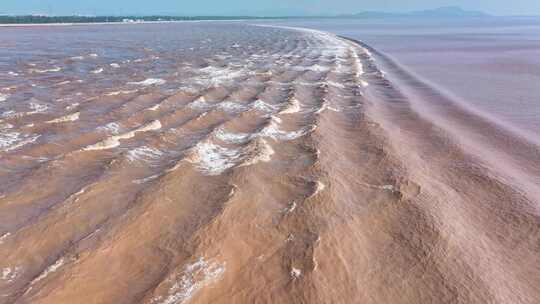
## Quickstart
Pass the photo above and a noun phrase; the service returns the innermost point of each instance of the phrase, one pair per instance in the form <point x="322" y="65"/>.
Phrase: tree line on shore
<point x="32" y="19"/>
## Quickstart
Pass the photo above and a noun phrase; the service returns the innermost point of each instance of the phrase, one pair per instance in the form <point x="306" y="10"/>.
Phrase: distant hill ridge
<point x="447" y="11"/>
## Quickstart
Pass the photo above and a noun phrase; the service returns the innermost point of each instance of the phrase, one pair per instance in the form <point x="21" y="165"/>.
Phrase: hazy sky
<point x="235" y="7"/>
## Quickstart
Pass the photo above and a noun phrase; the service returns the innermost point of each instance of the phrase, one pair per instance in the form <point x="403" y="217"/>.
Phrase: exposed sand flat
<point x="257" y="165"/>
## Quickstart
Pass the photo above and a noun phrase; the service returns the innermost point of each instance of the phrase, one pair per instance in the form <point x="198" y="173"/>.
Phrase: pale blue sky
<point x="235" y="7"/>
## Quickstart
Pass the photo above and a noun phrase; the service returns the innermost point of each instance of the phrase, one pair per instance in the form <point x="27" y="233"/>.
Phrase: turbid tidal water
<point x="488" y="65"/>
<point x="217" y="162"/>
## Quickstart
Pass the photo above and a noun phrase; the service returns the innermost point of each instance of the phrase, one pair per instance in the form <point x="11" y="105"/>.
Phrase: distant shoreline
<point x="33" y="20"/>
<point x="115" y="23"/>
<point x="76" y="20"/>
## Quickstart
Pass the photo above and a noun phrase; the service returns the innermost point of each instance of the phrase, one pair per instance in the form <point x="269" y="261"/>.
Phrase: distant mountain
<point x="447" y="11"/>
<point x="277" y="12"/>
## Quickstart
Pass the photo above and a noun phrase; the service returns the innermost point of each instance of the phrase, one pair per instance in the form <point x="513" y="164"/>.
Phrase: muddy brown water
<point x="231" y="163"/>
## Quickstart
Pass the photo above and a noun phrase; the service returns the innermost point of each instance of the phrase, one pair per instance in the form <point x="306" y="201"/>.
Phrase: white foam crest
<point x="4" y="97"/>
<point x="37" y="108"/>
<point x="330" y="45"/>
<point x="279" y="83"/>
<point x="213" y="159"/>
<point x="364" y="83"/>
<point x="114" y="141"/>
<point x="293" y="107"/>
<point x="333" y="109"/>
<point x="290" y="208"/>
<point x="235" y="138"/>
<point x="144" y="154"/>
<point x="111" y="127"/>
<point x="9" y="274"/>
<point x="149" y="82"/>
<point x="322" y="108"/>
<point x="295" y="273"/>
<point x="189" y="89"/>
<point x="7" y="139"/>
<point x="263" y="106"/>
<point x="116" y="93"/>
<point x="231" y="106"/>
<point x="367" y="52"/>
<point x="146" y="179"/>
<point x="4" y="237"/>
<point x="358" y="64"/>
<point x="335" y="84"/>
<point x="51" y="269"/>
<point x="13" y="140"/>
<point x="305" y="83"/>
<point x="40" y="159"/>
<point x="63" y="83"/>
<point x="333" y="48"/>
<point x="313" y="68"/>
<point x="72" y="106"/>
<point x="5" y="126"/>
<point x="67" y="118"/>
<point x="215" y="76"/>
<point x="223" y="56"/>
<point x="114" y="65"/>
<point x="272" y="130"/>
<point x="341" y="68"/>
<point x="12" y="114"/>
<point x="319" y="186"/>
<point x="38" y="71"/>
<point x="97" y="71"/>
<point x="154" y="108"/>
<point x="200" y="104"/>
<point x="193" y="277"/>
<point x="258" y="151"/>
<point x="388" y="187"/>
<point x="290" y="238"/>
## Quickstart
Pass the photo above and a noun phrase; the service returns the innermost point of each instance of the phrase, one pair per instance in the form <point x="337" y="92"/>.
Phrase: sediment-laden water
<point x="232" y="163"/>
